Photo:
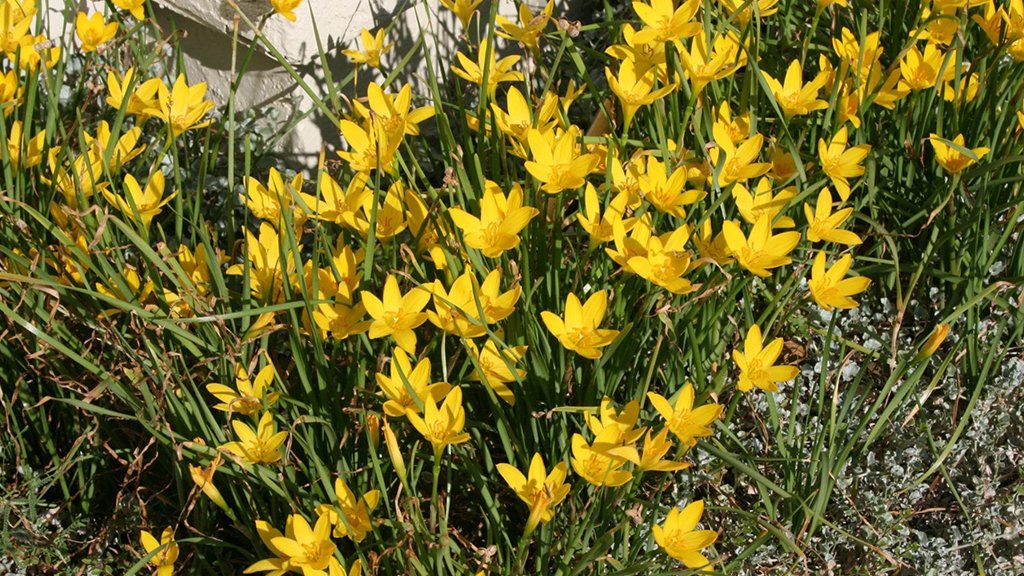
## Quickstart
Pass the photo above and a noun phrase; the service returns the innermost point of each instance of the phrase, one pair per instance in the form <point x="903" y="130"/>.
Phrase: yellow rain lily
<point x="265" y="272"/>
<point x="397" y="315"/>
<point x="137" y="8"/>
<point x="343" y="206"/>
<point x="373" y="49"/>
<point x="703" y="66"/>
<point x="616" y="427"/>
<point x="405" y="381"/>
<point x="182" y="107"/>
<point x="464" y="9"/>
<point x="923" y="70"/>
<point x="682" y="419"/>
<point x="841" y="163"/>
<point x="794" y="97"/>
<point x="24" y="152"/>
<point x="164" y="559"/>
<point x="501" y="220"/>
<point x="260" y="446"/>
<point x="666" y="261"/>
<point x="634" y="89"/>
<point x="557" y="161"/>
<point x="653" y="457"/>
<point x="540" y="490"/>
<point x="351" y="516"/>
<point x="597" y="464"/>
<point x="497" y="367"/>
<point x="737" y="162"/>
<point x="286" y="8"/>
<point x="141" y="100"/>
<point x="952" y="160"/>
<point x="302" y="548"/>
<point x="763" y="204"/>
<point x="762" y="250"/>
<point x="680" y="539"/>
<point x="442" y="425"/>
<point x="530" y="26"/>
<point x="93" y="31"/>
<point x="829" y="286"/>
<point x="393" y="113"/>
<point x="497" y="70"/>
<point x="578" y="330"/>
<point x="823" y="225"/>
<point x="369" y="147"/>
<point x="935" y="339"/>
<point x="757" y="363"/>
<point x="248" y="396"/>
<point x="665" y="23"/>
<point x="141" y="205"/>
<point x="272" y="201"/>
<point x="664" y="188"/>
<point x="600" y="227"/>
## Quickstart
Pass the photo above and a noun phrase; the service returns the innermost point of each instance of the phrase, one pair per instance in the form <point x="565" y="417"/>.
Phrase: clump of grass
<point x="657" y="290"/>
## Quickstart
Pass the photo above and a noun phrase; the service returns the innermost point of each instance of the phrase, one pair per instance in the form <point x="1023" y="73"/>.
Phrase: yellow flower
<point x="823" y="225"/>
<point x="128" y="288"/>
<point x="763" y="204"/>
<point x="247" y="397"/>
<point x="24" y="152"/>
<point x="501" y="220"/>
<point x="794" y="97"/>
<point x="464" y="9"/>
<point x="665" y="23"/>
<point x="92" y="31"/>
<point x="373" y="49"/>
<point x="737" y="162"/>
<point x="260" y="446"/>
<point x="632" y="246"/>
<point x="137" y="8"/>
<point x="141" y="205"/>
<point x="140" y="101"/>
<point x="530" y="26"/>
<point x="302" y="548"/>
<point x="666" y="261"/>
<point x="12" y="93"/>
<point x="126" y="147"/>
<point x="557" y="162"/>
<point x="393" y="113"/>
<point x="285" y="8"/>
<point x="653" y="457"/>
<point x="762" y="250"/>
<point x="951" y="154"/>
<point x="596" y="464"/>
<point x="497" y="70"/>
<point x="830" y="288"/>
<point x="935" y="339"/>
<point x="340" y="320"/>
<point x="516" y="123"/>
<point x="922" y="70"/>
<point x="600" y="226"/>
<point x="617" y="427"/>
<point x="634" y="89"/>
<point x="579" y="331"/>
<point x="390" y="218"/>
<point x="168" y="551"/>
<point x="273" y="201"/>
<point x="408" y="388"/>
<point x="712" y="246"/>
<point x="664" y="188"/>
<point x="704" y="66"/>
<point x="740" y="10"/>
<point x="442" y="425"/>
<point x="539" y="490"/>
<point x="841" y="163"/>
<point x="680" y="539"/>
<point x="757" y="363"/>
<point x="369" y="146"/>
<point x="497" y="368"/>
<point x="203" y="477"/>
<point x="682" y="419"/>
<point x="644" y="55"/>
<point x="263" y="261"/>
<point x="342" y="206"/>
<point x="351" y="517"/>
<point x="182" y="107"/>
<point x="397" y="315"/>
